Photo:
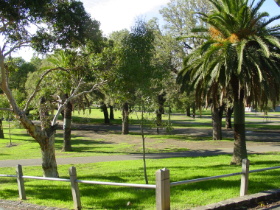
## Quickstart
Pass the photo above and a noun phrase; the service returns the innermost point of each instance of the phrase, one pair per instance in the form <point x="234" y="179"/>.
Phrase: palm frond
<point x="263" y="45"/>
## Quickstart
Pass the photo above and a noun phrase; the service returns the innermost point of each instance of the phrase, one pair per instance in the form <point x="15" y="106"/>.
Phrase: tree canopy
<point x="239" y="57"/>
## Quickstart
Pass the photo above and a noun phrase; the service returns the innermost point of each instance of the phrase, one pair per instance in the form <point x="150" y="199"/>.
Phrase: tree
<point x="277" y="2"/>
<point x="134" y="70"/>
<point x="240" y="56"/>
<point x="57" y="24"/>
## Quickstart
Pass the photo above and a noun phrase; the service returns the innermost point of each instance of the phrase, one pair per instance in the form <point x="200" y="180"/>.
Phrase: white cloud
<point x="118" y="14"/>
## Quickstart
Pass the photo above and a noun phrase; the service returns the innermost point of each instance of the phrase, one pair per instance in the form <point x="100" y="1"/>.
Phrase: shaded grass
<point x="111" y="197"/>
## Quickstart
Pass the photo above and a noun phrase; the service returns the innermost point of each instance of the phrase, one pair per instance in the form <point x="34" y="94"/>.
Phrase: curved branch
<point x="39" y="82"/>
<point x="73" y="96"/>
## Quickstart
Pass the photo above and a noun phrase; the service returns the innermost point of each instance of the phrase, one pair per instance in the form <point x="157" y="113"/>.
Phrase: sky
<point x="115" y="15"/>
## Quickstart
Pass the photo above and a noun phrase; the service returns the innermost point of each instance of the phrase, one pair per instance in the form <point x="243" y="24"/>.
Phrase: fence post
<point x="244" y="177"/>
<point x="162" y="189"/>
<point x="75" y="188"/>
<point x="21" y="189"/>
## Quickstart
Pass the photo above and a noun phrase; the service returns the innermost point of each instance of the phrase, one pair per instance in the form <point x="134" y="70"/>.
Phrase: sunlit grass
<point x="58" y="194"/>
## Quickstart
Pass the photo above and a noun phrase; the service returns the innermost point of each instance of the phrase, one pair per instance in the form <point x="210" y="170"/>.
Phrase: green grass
<point x="108" y="197"/>
<point x="58" y="194"/>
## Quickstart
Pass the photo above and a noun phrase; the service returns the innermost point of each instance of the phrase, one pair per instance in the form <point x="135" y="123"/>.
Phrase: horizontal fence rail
<point x="162" y="186"/>
<point x="148" y="186"/>
<point x="203" y="179"/>
<point x="264" y="169"/>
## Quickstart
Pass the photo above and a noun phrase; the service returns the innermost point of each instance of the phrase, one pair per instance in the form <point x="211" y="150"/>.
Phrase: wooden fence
<point x="162" y="186"/>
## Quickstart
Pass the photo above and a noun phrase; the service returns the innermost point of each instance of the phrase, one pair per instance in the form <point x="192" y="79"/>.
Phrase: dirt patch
<point x="111" y="134"/>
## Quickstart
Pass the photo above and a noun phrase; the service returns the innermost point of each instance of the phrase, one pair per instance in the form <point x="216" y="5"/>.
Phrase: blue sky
<point x="119" y="14"/>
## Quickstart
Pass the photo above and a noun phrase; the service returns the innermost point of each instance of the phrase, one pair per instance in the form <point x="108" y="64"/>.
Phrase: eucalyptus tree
<point x="54" y="23"/>
<point x="180" y="17"/>
<point x="134" y="69"/>
<point x="239" y="57"/>
<point x="165" y="91"/>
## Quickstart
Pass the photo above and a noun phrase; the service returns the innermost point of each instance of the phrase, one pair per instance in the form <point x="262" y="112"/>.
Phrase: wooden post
<point x="244" y="177"/>
<point x="162" y="189"/>
<point x="21" y="189"/>
<point x="75" y="188"/>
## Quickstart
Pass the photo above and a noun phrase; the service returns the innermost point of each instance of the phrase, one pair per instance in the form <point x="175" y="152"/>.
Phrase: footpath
<point x="93" y="159"/>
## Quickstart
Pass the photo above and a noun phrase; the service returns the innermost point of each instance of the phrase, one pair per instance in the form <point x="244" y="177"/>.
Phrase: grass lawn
<point x="58" y="194"/>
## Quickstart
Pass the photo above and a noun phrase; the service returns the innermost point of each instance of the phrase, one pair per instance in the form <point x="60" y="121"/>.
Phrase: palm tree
<point x="239" y="57"/>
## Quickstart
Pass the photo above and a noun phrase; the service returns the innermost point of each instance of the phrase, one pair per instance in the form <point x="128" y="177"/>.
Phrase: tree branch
<point x="73" y="96"/>
<point x="6" y="109"/>
<point x="16" y="46"/>
<point x="38" y="84"/>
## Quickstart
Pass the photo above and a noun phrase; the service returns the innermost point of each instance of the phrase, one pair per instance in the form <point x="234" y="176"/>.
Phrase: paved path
<point x="94" y="159"/>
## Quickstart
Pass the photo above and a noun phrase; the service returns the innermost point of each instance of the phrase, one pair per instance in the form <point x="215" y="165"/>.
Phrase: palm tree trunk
<point x="217" y="124"/>
<point x="125" y="118"/>
<point x="239" y="151"/>
<point x="229" y="112"/>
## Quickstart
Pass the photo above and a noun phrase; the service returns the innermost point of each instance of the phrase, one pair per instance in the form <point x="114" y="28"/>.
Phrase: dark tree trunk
<point x="193" y="111"/>
<point x="239" y="151"/>
<point x="112" y="117"/>
<point x="125" y="118"/>
<point x="217" y="116"/>
<point x="67" y="127"/>
<point x="160" y="111"/>
<point x="188" y="111"/>
<point x="105" y="113"/>
<point x="229" y="112"/>
<point x="1" y="129"/>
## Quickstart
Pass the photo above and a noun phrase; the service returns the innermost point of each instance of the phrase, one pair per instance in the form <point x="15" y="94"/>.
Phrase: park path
<point x="274" y="147"/>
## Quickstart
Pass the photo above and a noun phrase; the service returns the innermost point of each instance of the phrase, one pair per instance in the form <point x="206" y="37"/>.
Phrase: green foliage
<point x="67" y="23"/>
<point x="239" y="48"/>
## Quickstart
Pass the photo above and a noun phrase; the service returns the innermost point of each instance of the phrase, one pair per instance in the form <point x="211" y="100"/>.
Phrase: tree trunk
<point x="217" y="124"/>
<point x="188" y="111"/>
<point x="125" y="118"/>
<point x="48" y="157"/>
<point x="229" y="112"/>
<point x="1" y="129"/>
<point x="239" y="151"/>
<point x="112" y="117"/>
<point x="67" y="127"/>
<point x="193" y="111"/>
<point x="43" y="135"/>
<point x="160" y="111"/>
<point x="105" y="113"/>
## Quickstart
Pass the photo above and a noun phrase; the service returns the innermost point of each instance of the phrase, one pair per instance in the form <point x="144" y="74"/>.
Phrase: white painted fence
<point x="162" y="185"/>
